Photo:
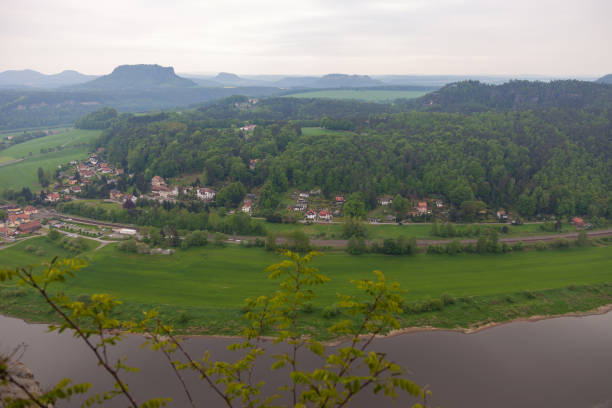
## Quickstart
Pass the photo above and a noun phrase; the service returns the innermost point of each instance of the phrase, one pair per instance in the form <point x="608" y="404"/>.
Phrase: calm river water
<point x="561" y="362"/>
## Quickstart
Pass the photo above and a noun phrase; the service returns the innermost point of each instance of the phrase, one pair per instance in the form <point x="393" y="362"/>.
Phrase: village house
<point x="339" y="200"/>
<point x="502" y="216"/>
<point x="87" y="173"/>
<point x="160" y="191"/>
<point x="385" y="200"/>
<point x="253" y="164"/>
<point x="304" y="195"/>
<point x="578" y="222"/>
<point x="72" y="180"/>
<point x="422" y="208"/>
<point x="300" y="205"/>
<point x="16" y="219"/>
<point x="104" y="169"/>
<point x="29" y="228"/>
<point x="205" y="194"/>
<point x="75" y="189"/>
<point x="52" y="197"/>
<point x="115" y="194"/>
<point x="248" y="128"/>
<point x="247" y="207"/>
<point x="158" y="181"/>
<point x="311" y="215"/>
<point x="6" y="232"/>
<point x="439" y="204"/>
<point x="29" y="210"/>
<point x="325" y="215"/>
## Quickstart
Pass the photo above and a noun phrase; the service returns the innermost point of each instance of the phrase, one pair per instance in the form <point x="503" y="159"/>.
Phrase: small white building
<point x="205" y="194"/>
<point x="127" y="231"/>
<point x="247" y="207"/>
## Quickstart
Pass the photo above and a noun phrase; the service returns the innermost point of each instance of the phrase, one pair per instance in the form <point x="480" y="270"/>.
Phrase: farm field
<point x="23" y="173"/>
<point x="363" y="95"/>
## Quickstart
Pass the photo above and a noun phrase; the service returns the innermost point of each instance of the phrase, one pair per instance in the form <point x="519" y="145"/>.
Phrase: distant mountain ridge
<point x="329" y="81"/>
<point x="28" y="78"/>
<point x="323" y="82"/>
<point x="140" y="76"/>
<point x="606" y="79"/>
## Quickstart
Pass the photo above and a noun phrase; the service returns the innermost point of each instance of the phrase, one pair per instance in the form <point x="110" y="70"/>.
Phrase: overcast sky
<point x="506" y="37"/>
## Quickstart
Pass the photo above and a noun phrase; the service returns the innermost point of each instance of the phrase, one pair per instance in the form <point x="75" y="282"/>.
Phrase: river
<point x="560" y="362"/>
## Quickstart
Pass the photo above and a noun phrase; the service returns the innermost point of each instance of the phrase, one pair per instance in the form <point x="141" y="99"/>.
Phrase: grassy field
<point x="363" y="95"/>
<point x="23" y="173"/>
<point x="209" y="284"/>
<point x="318" y="131"/>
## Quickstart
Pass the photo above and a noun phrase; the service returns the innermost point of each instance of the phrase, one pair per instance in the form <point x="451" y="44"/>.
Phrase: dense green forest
<point x="474" y="96"/>
<point x="545" y="161"/>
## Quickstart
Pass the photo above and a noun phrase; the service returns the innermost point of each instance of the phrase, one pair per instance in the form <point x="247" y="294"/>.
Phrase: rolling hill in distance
<point x="31" y="99"/>
<point x="28" y="78"/>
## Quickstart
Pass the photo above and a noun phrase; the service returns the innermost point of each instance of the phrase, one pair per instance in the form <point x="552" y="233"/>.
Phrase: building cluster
<point x="84" y="172"/>
<point x="315" y="211"/>
<point x="161" y="191"/>
<point x="18" y="221"/>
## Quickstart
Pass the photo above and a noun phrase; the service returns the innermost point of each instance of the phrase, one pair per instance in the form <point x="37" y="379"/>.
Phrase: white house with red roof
<point x="422" y="207"/>
<point x="205" y="194"/>
<point x="325" y="215"/>
<point x="158" y="181"/>
<point x="247" y="207"/>
<point x="53" y="197"/>
<point x="311" y="215"/>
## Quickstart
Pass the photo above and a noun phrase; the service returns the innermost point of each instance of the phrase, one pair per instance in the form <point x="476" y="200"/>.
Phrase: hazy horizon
<point x="418" y="37"/>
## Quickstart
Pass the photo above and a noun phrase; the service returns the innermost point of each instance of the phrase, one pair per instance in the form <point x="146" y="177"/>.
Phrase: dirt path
<point x="10" y="162"/>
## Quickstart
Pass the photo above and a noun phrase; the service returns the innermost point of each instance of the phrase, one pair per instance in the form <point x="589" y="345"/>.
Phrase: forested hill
<point x="474" y="96"/>
<point x="606" y="79"/>
<point x="546" y="161"/>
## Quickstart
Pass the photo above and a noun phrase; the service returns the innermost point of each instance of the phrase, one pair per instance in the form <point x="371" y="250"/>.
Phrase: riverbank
<point x="467" y="314"/>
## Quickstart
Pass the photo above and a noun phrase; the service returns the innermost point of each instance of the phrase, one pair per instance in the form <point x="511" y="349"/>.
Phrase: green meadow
<point x="318" y="131"/>
<point x="209" y="284"/>
<point x="23" y="173"/>
<point x="369" y="95"/>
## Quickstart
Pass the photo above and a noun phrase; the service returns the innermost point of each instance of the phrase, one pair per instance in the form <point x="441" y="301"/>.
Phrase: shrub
<point x="453" y="247"/>
<point x="220" y="239"/>
<point x="53" y="235"/>
<point x="560" y="243"/>
<point x="582" y="239"/>
<point x="356" y="246"/>
<point x="529" y="294"/>
<point x="435" y="249"/>
<point x="30" y="248"/>
<point x="40" y="252"/>
<point x="540" y="246"/>
<point x="518" y="246"/>
<point x="128" y="245"/>
<point x="447" y="299"/>
<point x="14" y="293"/>
<point x="331" y="311"/>
<point x="183" y="318"/>
<point x="307" y="307"/>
